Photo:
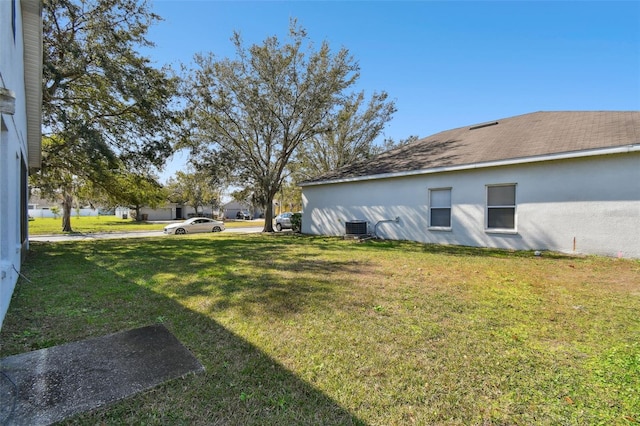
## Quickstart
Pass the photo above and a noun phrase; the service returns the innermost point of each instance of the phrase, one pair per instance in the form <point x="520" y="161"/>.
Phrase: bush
<point x="296" y="222"/>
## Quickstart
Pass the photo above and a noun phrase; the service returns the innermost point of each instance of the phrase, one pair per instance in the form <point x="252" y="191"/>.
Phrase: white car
<point x="193" y="225"/>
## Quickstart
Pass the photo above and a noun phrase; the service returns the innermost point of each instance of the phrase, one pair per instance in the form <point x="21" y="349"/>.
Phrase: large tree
<point x="253" y="112"/>
<point x="351" y="135"/>
<point x="101" y="97"/>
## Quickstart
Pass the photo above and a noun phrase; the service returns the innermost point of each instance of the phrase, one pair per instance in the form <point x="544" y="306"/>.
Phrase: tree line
<point x="274" y="115"/>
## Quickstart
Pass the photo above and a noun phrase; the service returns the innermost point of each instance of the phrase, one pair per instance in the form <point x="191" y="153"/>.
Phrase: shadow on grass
<point x="251" y="271"/>
<point x="101" y="227"/>
<point x="466" y="251"/>
<point x="81" y="290"/>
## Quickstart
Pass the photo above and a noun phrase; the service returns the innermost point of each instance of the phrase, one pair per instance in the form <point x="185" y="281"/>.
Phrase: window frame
<point x="431" y="208"/>
<point x="513" y="206"/>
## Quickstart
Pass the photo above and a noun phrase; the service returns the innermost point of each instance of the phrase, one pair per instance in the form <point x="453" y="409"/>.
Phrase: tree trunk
<point x="67" y="204"/>
<point x="268" y="216"/>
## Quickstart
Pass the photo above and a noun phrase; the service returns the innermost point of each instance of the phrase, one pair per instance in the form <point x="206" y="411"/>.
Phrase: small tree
<point x="55" y="210"/>
<point x="194" y="188"/>
<point x="136" y="191"/>
<point x="56" y="179"/>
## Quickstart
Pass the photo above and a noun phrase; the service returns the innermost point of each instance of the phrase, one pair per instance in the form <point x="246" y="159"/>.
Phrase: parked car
<point x="283" y="221"/>
<point x="243" y="214"/>
<point x="194" y="225"/>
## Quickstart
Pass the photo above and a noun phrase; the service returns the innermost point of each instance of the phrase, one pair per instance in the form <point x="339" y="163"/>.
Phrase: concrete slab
<point x="49" y="385"/>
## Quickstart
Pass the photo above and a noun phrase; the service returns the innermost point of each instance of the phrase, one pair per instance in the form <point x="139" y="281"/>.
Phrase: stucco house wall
<point x="170" y="211"/>
<point x="20" y="89"/>
<point x="160" y="213"/>
<point x="588" y="205"/>
<point x="232" y="208"/>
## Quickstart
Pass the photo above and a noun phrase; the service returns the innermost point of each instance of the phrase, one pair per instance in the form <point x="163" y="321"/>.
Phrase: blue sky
<point x="446" y="64"/>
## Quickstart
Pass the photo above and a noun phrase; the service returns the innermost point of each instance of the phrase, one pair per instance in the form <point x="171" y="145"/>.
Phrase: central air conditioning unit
<point x="356" y="227"/>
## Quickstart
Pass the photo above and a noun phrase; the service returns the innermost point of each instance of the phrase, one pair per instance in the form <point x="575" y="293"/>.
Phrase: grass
<point x="88" y="224"/>
<point x="309" y="330"/>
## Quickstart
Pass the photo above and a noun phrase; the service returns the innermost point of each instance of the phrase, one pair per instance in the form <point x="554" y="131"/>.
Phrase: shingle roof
<point x="524" y="136"/>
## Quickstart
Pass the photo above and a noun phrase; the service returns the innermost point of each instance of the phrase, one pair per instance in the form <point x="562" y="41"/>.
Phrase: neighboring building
<point x="234" y="209"/>
<point x="173" y="211"/>
<point x="20" y="137"/>
<point x="561" y="181"/>
<point x="168" y="211"/>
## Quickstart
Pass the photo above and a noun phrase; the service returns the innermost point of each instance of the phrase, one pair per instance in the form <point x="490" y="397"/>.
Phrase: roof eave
<point x="32" y="39"/>
<point x="500" y="163"/>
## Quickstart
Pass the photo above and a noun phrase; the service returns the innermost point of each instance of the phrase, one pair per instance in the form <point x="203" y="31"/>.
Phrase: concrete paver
<point x="49" y="385"/>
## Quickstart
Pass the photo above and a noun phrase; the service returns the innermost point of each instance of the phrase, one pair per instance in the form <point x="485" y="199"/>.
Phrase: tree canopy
<point x="105" y="100"/>
<point x="351" y="132"/>
<point x="250" y="115"/>
<point x="136" y="190"/>
<point x="194" y="188"/>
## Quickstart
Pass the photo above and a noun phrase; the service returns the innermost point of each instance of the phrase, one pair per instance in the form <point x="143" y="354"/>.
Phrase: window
<point x="440" y="208"/>
<point x="501" y="207"/>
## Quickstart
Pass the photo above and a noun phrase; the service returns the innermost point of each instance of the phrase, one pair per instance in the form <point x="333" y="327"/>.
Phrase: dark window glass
<point x="441" y="217"/>
<point x="503" y="217"/>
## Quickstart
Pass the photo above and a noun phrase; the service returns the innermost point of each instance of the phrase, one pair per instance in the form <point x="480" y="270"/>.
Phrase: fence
<point x="41" y="213"/>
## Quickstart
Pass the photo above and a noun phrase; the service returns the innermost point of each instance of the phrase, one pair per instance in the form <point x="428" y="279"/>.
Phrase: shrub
<point x="296" y="222"/>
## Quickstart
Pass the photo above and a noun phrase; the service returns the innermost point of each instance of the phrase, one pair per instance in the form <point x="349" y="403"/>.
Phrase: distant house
<point x="173" y="211"/>
<point x="561" y="181"/>
<point x="234" y="209"/>
<point x="167" y="211"/>
<point x="20" y="136"/>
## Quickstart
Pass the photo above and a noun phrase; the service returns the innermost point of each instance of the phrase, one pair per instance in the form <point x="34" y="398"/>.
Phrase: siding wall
<point x="591" y="205"/>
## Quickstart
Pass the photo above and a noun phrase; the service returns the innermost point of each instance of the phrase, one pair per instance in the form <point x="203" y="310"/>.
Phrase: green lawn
<point x="84" y="224"/>
<point x="310" y="330"/>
